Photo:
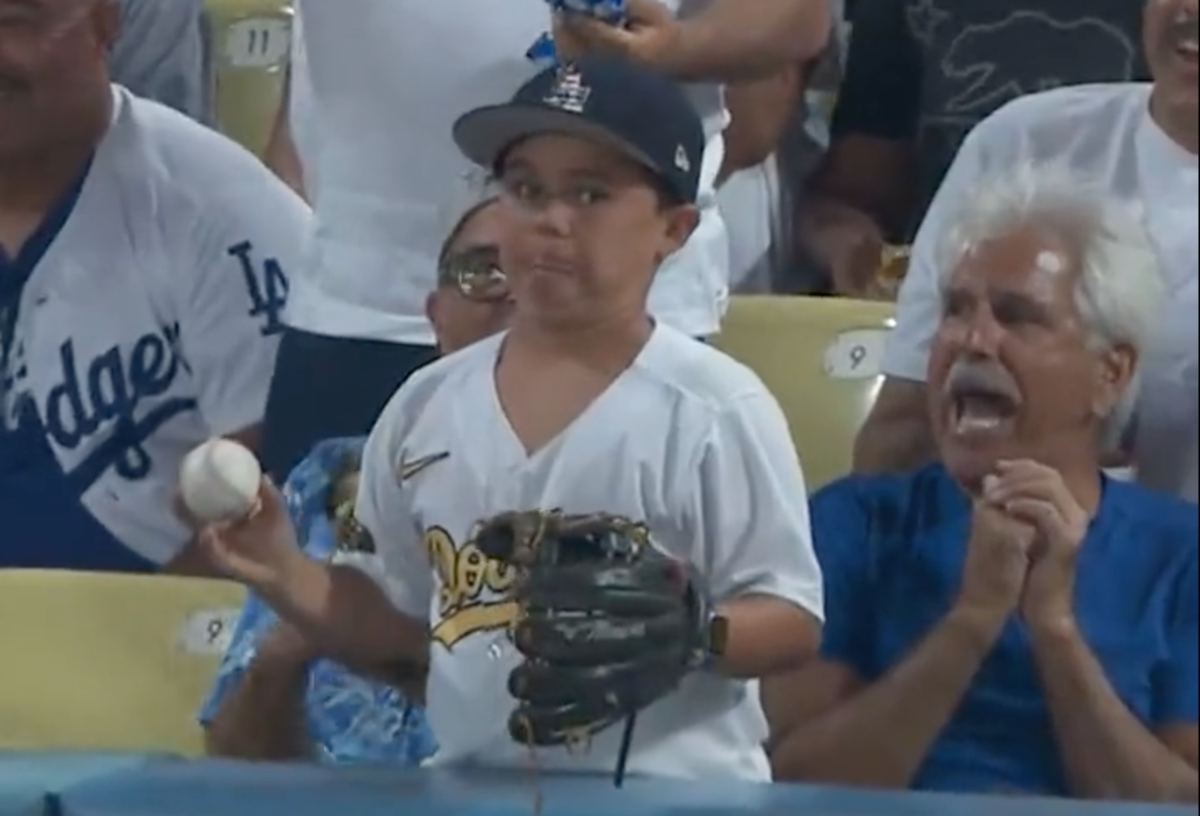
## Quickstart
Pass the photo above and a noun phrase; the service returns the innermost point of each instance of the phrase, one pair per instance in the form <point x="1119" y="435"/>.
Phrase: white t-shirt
<point x="1106" y="133"/>
<point x="388" y="78"/>
<point x="302" y="122"/>
<point x="751" y="206"/>
<point x="150" y="323"/>
<point x="708" y="466"/>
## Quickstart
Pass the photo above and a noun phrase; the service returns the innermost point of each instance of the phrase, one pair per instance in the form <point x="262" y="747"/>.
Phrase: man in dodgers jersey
<point x="384" y="81"/>
<point x="586" y="404"/>
<point x="142" y="262"/>
<point x="1141" y="141"/>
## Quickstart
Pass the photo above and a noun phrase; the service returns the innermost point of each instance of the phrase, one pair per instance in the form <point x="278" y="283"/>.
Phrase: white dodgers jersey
<point x="151" y="321"/>
<point x="686" y="441"/>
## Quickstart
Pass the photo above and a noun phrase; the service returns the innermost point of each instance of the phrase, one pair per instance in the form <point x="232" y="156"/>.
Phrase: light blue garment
<point x="350" y="719"/>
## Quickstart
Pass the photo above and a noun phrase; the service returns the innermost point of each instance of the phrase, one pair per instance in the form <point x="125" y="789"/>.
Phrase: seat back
<point x="109" y="662"/>
<point x="250" y="42"/>
<point x="820" y="357"/>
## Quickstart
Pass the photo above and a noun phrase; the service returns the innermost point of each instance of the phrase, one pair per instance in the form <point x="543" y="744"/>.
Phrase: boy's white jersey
<point x="149" y="323"/>
<point x="686" y="440"/>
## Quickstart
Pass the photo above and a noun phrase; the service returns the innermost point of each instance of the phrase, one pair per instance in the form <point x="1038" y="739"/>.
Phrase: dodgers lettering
<point x="474" y="589"/>
<point x="108" y="390"/>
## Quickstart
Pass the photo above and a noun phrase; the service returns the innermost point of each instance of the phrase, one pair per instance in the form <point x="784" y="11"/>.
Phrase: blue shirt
<point x="892" y="550"/>
<point x="350" y="719"/>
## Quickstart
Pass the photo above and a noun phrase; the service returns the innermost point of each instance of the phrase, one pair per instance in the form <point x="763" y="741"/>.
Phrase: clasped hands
<point x="1026" y="533"/>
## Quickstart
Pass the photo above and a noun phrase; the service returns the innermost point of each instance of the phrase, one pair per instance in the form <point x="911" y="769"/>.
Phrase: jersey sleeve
<point x="246" y="243"/>
<point x="880" y="95"/>
<point x="751" y="508"/>
<point x="918" y="306"/>
<point x="841" y="536"/>
<point x="1175" y="687"/>
<point x="401" y="567"/>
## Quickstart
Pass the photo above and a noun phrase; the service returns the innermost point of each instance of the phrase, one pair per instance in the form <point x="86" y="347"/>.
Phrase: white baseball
<point x="219" y="481"/>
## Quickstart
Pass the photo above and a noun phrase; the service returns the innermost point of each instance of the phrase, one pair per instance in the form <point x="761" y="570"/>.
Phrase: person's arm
<point x="844" y="720"/>
<point x="722" y="42"/>
<point x="862" y="191"/>
<point x="257" y="707"/>
<point x="896" y="436"/>
<point x="870" y="165"/>
<point x="369" y="611"/>
<point x="739" y="40"/>
<point x="1106" y="751"/>
<point x="281" y="154"/>
<point x="160" y="54"/>
<point x="752" y="522"/>
<point x="758" y="113"/>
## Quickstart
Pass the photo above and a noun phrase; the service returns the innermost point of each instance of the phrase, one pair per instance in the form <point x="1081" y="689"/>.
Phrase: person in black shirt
<point x="919" y="75"/>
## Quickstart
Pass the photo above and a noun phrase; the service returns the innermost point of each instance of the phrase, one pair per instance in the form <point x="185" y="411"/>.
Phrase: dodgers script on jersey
<point x="686" y="440"/>
<point x="149" y="323"/>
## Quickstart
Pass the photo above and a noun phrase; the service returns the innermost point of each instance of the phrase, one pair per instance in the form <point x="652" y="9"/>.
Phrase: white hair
<point x="1120" y="292"/>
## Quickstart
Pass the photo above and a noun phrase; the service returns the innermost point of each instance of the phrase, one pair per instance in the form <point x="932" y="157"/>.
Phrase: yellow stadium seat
<point x="109" y="662"/>
<point x="251" y="45"/>
<point x="820" y="357"/>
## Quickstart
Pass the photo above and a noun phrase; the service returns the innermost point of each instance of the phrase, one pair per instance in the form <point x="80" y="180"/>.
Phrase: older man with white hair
<point x="1140" y="142"/>
<point x="1009" y="618"/>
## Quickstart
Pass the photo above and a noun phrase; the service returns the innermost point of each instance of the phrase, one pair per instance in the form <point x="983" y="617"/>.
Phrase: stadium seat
<point x="250" y="41"/>
<point x="109" y="662"/>
<point x="821" y="359"/>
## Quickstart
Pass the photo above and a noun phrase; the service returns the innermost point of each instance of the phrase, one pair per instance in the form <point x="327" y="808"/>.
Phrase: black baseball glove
<point x="608" y="623"/>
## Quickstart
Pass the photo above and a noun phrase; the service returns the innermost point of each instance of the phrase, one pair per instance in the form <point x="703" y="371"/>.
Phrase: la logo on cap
<point x="682" y="162"/>
<point x="568" y="92"/>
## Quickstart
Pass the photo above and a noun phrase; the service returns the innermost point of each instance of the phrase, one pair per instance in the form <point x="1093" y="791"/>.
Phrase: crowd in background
<point x="1019" y="176"/>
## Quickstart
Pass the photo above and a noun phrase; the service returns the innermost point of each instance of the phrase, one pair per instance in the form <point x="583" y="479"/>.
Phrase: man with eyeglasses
<point x="274" y="698"/>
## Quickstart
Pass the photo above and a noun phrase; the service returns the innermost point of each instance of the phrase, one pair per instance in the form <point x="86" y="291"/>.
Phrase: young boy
<point x="584" y="405"/>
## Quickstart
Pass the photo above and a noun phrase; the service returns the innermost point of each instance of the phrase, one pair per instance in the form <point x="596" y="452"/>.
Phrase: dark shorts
<point x="329" y="386"/>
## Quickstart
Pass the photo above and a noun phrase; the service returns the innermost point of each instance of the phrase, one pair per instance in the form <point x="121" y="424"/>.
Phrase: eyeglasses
<point x="476" y="273"/>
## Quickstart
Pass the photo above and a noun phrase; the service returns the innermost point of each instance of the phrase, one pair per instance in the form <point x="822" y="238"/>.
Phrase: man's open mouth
<point x="977" y="410"/>
<point x="1186" y="40"/>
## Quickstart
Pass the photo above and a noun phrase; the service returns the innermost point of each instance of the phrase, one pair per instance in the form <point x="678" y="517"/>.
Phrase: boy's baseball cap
<point x="635" y="110"/>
